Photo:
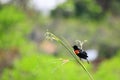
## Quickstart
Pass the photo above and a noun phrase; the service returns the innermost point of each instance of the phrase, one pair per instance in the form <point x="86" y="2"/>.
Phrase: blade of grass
<point x="66" y="45"/>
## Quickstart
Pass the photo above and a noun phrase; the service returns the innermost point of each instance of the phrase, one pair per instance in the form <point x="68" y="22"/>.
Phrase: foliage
<point x="46" y="67"/>
<point x="43" y="67"/>
<point x="90" y="9"/>
<point x="82" y="9"/>
<point x="12" y="26"/>
<point x="109" y="69"/>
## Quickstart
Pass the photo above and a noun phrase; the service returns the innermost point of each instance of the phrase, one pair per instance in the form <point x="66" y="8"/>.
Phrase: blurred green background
<point x="26" y="55"/>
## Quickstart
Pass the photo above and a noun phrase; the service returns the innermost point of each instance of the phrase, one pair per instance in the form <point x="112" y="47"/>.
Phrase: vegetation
<point x="21" y="52"/>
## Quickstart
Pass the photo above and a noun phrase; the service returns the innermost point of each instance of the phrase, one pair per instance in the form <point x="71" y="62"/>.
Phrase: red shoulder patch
<point x="77" y="51"/>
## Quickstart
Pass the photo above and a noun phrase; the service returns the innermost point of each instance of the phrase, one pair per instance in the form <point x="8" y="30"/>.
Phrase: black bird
<point x="80" y="53"/>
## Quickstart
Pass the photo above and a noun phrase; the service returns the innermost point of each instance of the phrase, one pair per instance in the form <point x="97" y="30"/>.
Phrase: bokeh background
<point x="25" y="54"/>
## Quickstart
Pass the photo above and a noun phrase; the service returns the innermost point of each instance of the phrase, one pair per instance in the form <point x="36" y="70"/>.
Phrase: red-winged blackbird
<point x="80" y="53"/>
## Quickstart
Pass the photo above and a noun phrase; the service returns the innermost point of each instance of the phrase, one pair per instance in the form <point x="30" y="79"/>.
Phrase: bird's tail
<point x="87" y="61"/>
